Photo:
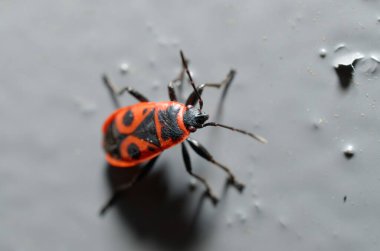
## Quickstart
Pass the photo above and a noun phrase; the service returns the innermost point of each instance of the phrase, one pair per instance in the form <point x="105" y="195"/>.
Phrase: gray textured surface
<point x="53" y="178"/>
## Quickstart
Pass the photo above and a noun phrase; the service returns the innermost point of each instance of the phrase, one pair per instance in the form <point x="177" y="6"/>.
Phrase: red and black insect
<point x="141" y="132"/>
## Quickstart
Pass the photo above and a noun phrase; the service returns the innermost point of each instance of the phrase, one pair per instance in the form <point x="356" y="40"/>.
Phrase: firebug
<point x="139" y="133"/>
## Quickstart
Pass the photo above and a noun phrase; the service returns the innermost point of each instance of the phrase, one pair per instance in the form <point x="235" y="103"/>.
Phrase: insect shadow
<point x="152" y="212"/>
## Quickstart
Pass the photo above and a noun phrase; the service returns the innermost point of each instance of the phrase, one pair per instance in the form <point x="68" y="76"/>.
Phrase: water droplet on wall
<point x="242" y="216"/>
<point x="367" y="65"/>
<point x="124" y="68"/>
<point x="193" y="184"/>
<point x="318" y="123"/>
<point x="340" y="47"/>
<point x="344" y="68"/>
<point x="349" y="151"/>
<point x="322" y="53"/>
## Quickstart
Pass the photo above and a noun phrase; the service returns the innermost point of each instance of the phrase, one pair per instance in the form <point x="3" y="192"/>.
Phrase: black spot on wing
<point x="128" y="118"/>
<point x="112" y="140"/>
<point x="147" y="130"/>
<point x="145" y="110"/>
<point x="134" y="151"/>
<point x="152" y="149"/>
<point x="169" y="125"/>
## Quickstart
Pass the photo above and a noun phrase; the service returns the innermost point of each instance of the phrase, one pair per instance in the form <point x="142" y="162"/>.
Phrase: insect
<point x="139" y="133"/>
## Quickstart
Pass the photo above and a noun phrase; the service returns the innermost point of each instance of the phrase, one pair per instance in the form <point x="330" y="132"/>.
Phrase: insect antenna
<point x="258" y="138"/>
<point x="184" y="63"/>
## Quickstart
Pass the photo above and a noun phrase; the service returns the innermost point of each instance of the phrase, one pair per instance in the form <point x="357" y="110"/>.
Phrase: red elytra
<point x="143" y="130"/>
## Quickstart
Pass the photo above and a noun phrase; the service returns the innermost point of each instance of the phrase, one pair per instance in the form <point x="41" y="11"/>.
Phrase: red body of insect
<point x="137" y="133"/>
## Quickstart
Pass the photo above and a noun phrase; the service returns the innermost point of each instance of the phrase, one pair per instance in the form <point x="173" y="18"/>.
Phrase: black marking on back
<point x="147" y="130"/>
<point x="112" y="140"/>
<point x="169" y="125"/>
<point x="134" y="151"/>
<point x="128" y="118"/>
<point x="145" y="110"/>
<point x="152" y="149"/>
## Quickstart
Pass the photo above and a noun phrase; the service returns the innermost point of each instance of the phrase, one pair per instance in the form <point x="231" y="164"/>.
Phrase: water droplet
<point x="340" y="47"/>
<point x="257" y="206"/>
<point x="367" y="65"/>
<point x="318" y="123"/>
<point x="322" y="53"/>
<point x="310" y="71"/>
<point x="193" y="184"/>
<point x="124" y="68"/>
<point x="242" y="216"/>
<point x="349" y="151"/>
<point x="344" y="68"/>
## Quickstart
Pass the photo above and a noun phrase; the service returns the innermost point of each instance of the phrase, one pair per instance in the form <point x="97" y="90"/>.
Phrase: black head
<point x="194" y="118"/>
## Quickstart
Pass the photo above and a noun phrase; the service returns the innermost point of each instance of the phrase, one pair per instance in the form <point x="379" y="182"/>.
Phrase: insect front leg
<point x="171" y="91"/>
<point x="179" y="79"/>
<point x="115" y="92"/>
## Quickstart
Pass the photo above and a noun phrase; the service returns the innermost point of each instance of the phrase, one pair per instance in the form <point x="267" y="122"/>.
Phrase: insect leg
<point x="123" y="188"/>
<point x="185" y="65"/>
<point x="201" y="151"/>
<point x="193" y="97"/>
<point x="115" y="92"/>
<point x="172" y="95"/>
<point x="186" y="159"/>
<point x="179" y="79"/>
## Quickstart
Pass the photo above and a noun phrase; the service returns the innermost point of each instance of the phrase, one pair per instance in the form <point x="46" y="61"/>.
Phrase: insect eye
<point x="192" y="128"/>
